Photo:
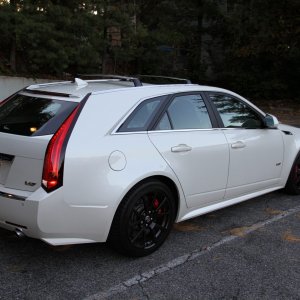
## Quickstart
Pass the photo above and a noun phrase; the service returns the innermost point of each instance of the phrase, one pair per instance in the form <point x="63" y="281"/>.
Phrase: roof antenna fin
<point x="80" y="82"/>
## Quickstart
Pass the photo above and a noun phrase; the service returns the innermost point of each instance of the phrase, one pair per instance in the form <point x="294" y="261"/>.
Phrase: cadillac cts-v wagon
<point x="115" y="160"/>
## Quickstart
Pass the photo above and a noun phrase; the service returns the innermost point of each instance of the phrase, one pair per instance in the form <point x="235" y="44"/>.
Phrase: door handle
<point x="181" y="148"/>
<point x="238" y="145"/>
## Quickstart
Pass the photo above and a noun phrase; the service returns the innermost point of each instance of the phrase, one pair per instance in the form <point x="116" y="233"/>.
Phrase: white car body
<point x="224" y="166"/>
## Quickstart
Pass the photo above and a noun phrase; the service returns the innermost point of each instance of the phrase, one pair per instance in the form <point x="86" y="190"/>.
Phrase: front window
<point x="235" y="113"/>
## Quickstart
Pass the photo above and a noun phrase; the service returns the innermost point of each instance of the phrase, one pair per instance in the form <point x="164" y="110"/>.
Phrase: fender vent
<point x="287" y="132"/>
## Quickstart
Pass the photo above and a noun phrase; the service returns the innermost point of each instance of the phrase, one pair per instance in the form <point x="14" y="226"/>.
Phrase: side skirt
<point x="207" y="209"/>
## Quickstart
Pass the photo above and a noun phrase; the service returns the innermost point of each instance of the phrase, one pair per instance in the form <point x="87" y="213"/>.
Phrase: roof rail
<point x="136" y="81"/>
<point x="156" y="78"/>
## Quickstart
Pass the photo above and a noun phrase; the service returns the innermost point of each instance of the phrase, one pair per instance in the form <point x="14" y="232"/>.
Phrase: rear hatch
<point x="27" y="123"/>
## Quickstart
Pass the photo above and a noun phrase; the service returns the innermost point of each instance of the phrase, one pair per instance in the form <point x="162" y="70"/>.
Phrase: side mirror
<point x="271" y="121"/>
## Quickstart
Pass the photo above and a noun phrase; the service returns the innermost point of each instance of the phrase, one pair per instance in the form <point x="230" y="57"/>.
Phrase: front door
<point x="256" y="152"/>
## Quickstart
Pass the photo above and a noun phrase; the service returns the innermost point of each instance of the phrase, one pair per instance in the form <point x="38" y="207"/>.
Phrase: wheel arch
<point x="289" y="186"/>
<point x="168" y="182"/>
<point x="162" y="178"/>
<point x="117" y="230"/>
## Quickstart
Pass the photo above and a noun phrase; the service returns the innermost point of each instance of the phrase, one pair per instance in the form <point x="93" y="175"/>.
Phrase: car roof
<point x="77" y="89"/>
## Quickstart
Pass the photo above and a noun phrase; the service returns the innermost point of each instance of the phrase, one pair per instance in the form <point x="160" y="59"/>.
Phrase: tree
<point x="250" y="46"/>
<point x="261" y="48"/>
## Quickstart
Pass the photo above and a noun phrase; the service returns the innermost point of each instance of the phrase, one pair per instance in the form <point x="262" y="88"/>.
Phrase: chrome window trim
<point x="115" y="128"/>
<point x="242" y="128"/>
<point x="167" y="131"/>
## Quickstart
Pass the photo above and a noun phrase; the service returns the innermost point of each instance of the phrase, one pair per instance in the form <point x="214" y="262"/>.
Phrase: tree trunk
<point x="13" y="55"/>
<point x="13" y="47"/>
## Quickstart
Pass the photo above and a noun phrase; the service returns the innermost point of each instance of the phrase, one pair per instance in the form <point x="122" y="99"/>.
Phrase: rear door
<point x="196" y="151"/>
<point x="27" y="123"/>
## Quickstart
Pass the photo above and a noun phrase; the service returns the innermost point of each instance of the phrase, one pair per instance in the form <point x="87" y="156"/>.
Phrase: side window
<point x="141" y="117"/>
<point x="164" y="123"/>
<point x="186" y="112"/>
<point x="235" y="113"/>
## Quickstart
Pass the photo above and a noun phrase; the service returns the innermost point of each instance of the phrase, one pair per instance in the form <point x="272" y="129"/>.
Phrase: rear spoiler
<point x="47" y="93"/>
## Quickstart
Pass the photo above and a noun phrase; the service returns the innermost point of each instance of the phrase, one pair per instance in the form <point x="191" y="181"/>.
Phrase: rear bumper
<point x="49" y="218"/>
<point x="18" y="214"/>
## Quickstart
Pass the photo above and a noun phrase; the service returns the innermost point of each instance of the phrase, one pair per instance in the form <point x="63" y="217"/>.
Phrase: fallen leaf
<point x="212" y="216"/>
<point x="288" y="236"/>
<point x="16" y="268"/>
<point x="272" y="211"/>
<point x="187" y="227"/>
<point x="239" y="231"/>
<point x="216" y="258"/>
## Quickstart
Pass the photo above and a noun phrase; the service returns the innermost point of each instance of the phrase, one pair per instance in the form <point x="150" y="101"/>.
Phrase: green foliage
<point x="261" y="48"/>
<point x="250" y="46"/>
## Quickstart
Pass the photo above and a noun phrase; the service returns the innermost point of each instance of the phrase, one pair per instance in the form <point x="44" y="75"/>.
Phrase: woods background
<point x="250" y="46"/>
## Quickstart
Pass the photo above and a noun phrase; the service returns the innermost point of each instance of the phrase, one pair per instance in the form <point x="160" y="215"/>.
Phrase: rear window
<point x="140" y="119"/>
<point x="33" y="116"/>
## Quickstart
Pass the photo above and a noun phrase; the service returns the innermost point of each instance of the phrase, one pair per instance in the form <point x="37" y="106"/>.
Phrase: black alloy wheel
<point x="293" y="183"/>
<point x="143" y="220"/>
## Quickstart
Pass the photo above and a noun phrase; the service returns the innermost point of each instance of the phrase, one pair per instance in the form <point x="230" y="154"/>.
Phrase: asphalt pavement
<point x="246" y="251"/>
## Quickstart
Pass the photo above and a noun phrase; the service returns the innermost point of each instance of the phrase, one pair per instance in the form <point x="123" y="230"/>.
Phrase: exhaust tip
<point x="19" y="233"/>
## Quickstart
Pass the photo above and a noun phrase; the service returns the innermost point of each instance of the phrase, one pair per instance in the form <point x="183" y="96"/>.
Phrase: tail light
<point x="55" y="154"/>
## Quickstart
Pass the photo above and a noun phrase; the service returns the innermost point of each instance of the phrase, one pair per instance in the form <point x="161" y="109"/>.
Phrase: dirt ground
<point x="287" y="111"/>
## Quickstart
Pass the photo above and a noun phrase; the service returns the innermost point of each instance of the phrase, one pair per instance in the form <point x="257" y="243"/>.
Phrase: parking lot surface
<point x="247" y="251"/>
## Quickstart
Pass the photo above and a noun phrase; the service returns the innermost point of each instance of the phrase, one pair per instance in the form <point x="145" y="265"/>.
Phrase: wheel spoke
<point x="159" y="226"/>
<point x="153" y="234"/>
<point x="154" y="228"/>
<point x="136" y="213"/>
<point x="161" y="214"/>
<point x="161" y="204"/>
<point x="144" y="237"/>
<point x="146" y="203"/>
<point x="137" y="235"/>
<point x="135" y="218"/>
<point x="134" y="223"/>
<point x="149" y="219"/>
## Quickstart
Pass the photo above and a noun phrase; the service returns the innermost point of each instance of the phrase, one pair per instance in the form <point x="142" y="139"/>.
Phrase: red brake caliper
<point x="156" y="205"/>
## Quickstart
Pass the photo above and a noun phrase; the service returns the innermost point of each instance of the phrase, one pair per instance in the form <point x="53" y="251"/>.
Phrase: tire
<point x="143" y="220"/>
<point x="293" y="184"/>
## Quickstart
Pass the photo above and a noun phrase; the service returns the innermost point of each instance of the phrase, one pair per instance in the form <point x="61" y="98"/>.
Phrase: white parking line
<point x="137" y="279"/>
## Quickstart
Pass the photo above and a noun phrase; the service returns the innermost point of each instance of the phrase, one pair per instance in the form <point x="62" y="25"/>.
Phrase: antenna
<point x="80" y="83"/>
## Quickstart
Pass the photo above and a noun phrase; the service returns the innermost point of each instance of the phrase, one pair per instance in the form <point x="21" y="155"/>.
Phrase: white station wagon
<point x="115" y="160"/>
